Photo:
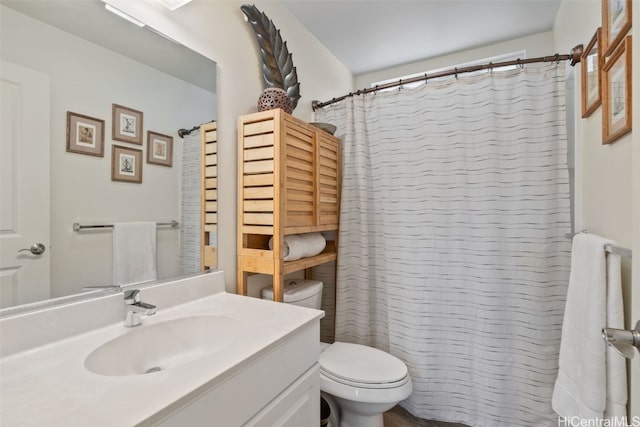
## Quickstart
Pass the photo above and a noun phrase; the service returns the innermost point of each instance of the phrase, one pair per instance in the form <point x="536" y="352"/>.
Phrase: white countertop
<point x="49" y="385"/>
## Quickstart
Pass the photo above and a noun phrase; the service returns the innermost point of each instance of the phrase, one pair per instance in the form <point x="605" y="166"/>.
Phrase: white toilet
<point x="358" y="382"/>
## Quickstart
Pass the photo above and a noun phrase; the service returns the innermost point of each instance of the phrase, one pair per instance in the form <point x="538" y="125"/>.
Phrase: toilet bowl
<point x="359" y="382"/>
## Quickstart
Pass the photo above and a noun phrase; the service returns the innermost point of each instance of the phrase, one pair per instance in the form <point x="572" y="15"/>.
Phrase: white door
<point x="24" y="184"/>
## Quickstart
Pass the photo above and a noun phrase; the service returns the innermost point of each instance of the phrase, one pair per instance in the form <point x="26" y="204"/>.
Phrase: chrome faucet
<point x="134" y="308"/>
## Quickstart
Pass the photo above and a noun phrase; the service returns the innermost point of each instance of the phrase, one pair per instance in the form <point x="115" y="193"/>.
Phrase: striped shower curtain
<point x="190" y="203"/>
<point x="452" y="249"/>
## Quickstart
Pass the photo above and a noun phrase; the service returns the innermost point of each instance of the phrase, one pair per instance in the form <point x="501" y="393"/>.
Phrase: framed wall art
<point x="85" y="135"/>
<point x="159" y="149"/>
<point x="126" y="124"/>
<point x="591" y="67"/>
<point x="616" y="22"/>
<point x="616" y="93"/>
<point x="126" y="164"/>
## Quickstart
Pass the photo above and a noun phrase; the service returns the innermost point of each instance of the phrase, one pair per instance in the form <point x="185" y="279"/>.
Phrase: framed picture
<point x="127" y="124"/>
<point x="85" y="135"/>
<point x="616" y="99"/>
<point x="159" y="149"/>
<point x="591" y="69"/>
<point x="126" y="164"/>
<point x="616" y="22"/>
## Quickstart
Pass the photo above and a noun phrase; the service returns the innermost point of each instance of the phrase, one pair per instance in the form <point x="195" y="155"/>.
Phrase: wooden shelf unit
<point x="209" y="196"/>
<point x="288" y="183"/>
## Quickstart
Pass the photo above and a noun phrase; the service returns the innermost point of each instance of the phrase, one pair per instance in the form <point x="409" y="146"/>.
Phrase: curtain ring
<point x="375" y="90"/>
<point x="491" y="69"/>
<point x="557" y="58"/>
<point x="456" y="72"/>
<point x="400" y="85"/>
<point x="426" y="79"/>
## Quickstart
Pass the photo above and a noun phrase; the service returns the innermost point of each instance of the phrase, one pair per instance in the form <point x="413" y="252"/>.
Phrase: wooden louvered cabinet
<point x="288" y="183"/>
<point x="209" y="197"/>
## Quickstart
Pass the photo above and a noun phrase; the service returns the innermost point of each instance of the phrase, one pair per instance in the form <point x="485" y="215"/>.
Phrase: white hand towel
<point x="588" y="376"/>
<point x="134" y="252"/>
<point x="297" y="246"/>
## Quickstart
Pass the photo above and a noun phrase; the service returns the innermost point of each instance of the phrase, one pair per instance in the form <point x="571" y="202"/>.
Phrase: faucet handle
<point x="132" y="297"/>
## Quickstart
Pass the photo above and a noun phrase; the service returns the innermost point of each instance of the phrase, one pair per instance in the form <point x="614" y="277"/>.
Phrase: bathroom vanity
<point x="206" y="358"/>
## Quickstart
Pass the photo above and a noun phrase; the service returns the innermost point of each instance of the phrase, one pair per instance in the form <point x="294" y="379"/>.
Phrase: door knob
<point x="622" y="340"/>
<point x="35" y="249"/>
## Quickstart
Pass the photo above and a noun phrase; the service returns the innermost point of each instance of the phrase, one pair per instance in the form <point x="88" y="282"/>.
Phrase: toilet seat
<point x="346" y="382"/>
<point x="361" y="366"/>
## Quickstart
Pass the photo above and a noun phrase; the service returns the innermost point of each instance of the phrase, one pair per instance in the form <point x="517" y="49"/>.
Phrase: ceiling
<point x="370" y="35"/>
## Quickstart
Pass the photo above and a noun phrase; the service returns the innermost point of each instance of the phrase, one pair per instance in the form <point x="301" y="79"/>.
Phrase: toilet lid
<point x="361" y="364"/>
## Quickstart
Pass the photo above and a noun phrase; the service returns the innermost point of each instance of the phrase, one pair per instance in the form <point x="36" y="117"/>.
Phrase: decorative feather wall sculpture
<point x="277" y="63"/>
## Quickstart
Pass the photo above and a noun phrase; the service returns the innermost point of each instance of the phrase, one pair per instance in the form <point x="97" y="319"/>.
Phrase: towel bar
<point x="618" y="250"/>
<point x="609" y="248"/>
<point x="78" y="227"/>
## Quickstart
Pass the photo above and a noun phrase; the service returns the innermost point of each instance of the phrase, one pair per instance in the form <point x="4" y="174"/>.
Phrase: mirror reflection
<point x="66" y="65"/>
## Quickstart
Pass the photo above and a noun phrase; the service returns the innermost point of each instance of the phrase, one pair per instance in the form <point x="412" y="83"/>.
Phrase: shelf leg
<point x="242" y="282"/>
<point x="278" y="284"/>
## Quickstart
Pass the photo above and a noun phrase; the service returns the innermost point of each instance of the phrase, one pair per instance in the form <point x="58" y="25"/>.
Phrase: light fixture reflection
<point x="123" y="15"/>
<point x="173" y="4"/>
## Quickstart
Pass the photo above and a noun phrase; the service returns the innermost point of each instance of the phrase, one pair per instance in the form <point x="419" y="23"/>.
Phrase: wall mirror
<point x="72" y="61"/>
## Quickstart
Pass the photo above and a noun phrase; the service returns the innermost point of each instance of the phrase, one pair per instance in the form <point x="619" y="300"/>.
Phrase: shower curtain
<point x="452" y="248"/>
<point x="190" y="203"/>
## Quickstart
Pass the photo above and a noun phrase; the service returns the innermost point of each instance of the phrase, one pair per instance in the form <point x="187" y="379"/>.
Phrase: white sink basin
<point x="162" y="346"/>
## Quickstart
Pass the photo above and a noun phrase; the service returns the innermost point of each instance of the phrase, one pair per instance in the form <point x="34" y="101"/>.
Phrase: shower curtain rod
<point x="574" y="56"/>
<point x="183" y="132"/>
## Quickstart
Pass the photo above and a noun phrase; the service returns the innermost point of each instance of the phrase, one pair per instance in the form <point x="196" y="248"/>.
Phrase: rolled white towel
<point x="298" y="246"/>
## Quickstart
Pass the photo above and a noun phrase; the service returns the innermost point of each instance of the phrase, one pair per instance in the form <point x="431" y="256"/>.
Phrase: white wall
<point x="607" y="188"/>
<point x="217" y="29"/>
<point x="87" y="79"/>
<point x="603" y="172"/>
<point x="534" y="45"/>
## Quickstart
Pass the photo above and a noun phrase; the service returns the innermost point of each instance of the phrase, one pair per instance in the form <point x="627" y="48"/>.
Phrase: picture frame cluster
<point x="606" y="71"/>
<point x="86" y="135"/>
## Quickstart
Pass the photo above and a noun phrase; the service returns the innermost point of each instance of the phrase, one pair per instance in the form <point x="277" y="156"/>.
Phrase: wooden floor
<point x="398" y="417"/>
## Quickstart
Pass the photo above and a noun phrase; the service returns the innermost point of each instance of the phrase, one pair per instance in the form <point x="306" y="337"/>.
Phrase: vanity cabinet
<point x="209" y="196"/>
<point x="288" y="183"/>
<point x="278" y="388"/>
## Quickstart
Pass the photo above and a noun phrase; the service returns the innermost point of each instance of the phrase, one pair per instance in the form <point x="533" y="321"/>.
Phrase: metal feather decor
<point x="277" y="63"/>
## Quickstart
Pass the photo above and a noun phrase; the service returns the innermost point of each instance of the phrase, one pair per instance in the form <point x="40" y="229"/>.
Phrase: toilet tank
<point x="305" y="293"/>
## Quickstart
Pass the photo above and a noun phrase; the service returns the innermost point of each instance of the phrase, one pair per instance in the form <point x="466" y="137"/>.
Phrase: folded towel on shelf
<point x="298" y="246"/>
<point x="591" y="382"/>
<point x="134" y="252"/>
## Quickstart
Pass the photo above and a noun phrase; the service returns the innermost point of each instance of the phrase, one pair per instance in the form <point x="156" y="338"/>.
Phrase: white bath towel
<point x="298" y="246"/>
<point x="134" y="252"/>
<point x="591" y="379"/>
